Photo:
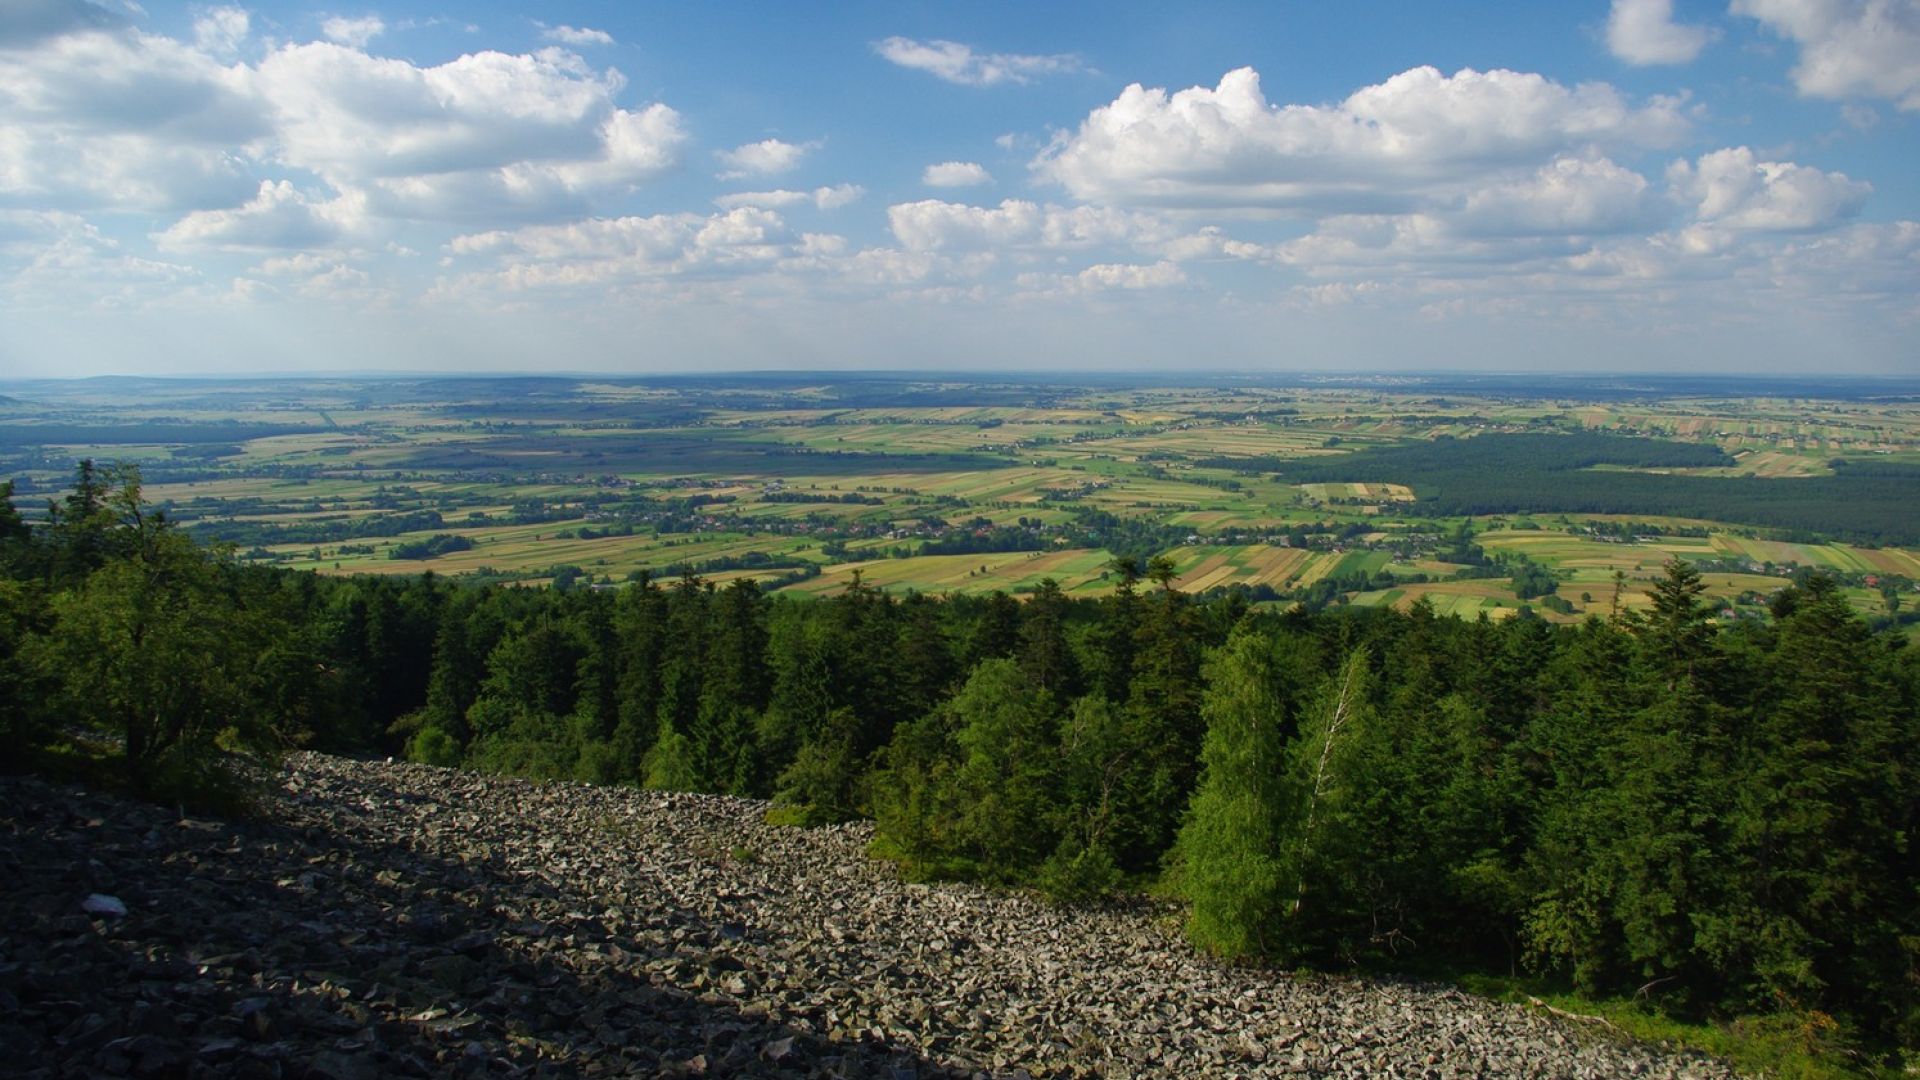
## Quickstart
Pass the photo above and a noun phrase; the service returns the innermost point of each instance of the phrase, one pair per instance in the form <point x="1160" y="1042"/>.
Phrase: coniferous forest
<point x="1716" y="818"/>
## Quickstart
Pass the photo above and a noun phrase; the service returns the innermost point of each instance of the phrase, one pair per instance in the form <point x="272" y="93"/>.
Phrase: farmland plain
<point x="953" y="485"/>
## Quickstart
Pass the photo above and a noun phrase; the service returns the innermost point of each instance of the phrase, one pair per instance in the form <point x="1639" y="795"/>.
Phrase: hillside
<point x="406" y="920"/>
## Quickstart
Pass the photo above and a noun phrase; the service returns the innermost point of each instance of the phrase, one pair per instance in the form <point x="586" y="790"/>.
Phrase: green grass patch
<point x="1362" y="562"/>
<point x="1784" y="1046"/>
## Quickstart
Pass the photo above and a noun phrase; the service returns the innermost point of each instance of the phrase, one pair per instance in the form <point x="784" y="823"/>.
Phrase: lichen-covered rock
<point x="400" y="920"/>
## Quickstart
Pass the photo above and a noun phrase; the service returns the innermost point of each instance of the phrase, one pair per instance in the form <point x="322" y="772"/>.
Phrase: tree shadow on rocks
<point x="261" y="949"/>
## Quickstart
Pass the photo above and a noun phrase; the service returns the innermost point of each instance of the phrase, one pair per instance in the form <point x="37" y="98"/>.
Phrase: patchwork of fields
<point x="611" y="477"/>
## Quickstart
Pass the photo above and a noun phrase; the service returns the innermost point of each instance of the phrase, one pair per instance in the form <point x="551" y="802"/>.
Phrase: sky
<point x="1579" y="186"/>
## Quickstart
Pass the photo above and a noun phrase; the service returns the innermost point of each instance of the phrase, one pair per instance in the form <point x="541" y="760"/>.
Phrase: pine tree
<point x="24" y="685"/>
<point x="801" y="700"/>
<point x="684" y="661"/>
<point x="79" y="527"/>
<point x="1676" y="635"/>
<point x="995" y="632"/>
<point x="924" y="670"/>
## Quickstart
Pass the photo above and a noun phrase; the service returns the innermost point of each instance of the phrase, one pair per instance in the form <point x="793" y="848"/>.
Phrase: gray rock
<point x="102" y="904"/>
<point x="403" y="920"/>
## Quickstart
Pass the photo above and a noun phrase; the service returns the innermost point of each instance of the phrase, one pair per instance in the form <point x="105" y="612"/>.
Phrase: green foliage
<point x="23" y="683"/>
<point x="1783" y="1045"/>
<point x="16" y="540"/>
<point x="432" y="746"/>
<point x="1230" y="850"/>
<point x="670" y="764"/>
<point x="1505" y="473"/>
<point x="967" y="786"/>
<point x="1719" y="820"/>
<point x="1531" y="580"/>
<point x="203" y="780"/>
<point x="826" y="779"/>
<point x="1322" y="830"/>
<point x="1077" y="873"/>
<point x="432" y="547"/>
<point x="152" y="647"/>
<point x="1161" y="722"/>
<point x="1091" y="799"/>
<point x="1046" y="657"/>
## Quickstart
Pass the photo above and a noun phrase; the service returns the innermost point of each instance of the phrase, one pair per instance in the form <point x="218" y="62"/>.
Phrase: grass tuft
<point x="1780" y="1046"/>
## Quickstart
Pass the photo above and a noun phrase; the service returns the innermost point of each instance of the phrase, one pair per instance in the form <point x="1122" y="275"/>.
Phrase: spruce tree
<point x="987" y="764"/>
<point x="1046" y="658"/>
<point x="1320" y="830"/>
<point x="670" y="764"/>
<point x="1111" y="667"/>
<point x="1823" y="805"/>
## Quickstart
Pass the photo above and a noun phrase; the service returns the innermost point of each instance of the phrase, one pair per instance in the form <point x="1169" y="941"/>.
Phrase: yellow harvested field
<point x="1076" y="570"/>
<point x="1374" y="492"/>
<point x="1206" y="567"/>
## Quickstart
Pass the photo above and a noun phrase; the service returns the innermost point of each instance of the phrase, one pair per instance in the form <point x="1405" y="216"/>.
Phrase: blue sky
<point x="1632" y="185"/>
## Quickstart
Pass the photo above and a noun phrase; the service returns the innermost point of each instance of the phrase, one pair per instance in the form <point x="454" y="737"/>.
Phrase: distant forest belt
<point x="12" y="435"/>
<point x="1497" y="474"/>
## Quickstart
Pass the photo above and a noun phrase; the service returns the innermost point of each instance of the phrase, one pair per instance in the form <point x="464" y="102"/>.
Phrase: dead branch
<point x="1565" y="1015"/>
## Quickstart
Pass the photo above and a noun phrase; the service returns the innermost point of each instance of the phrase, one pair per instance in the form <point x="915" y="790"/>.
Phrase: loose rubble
<point x="400" y="920"/>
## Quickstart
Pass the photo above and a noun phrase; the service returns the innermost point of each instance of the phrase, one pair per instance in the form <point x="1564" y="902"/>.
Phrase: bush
<point x="1076" y="874"/>
<point x="432" y="746"/>
<point x="432" y="547"/>
<point x="204" y="780"/>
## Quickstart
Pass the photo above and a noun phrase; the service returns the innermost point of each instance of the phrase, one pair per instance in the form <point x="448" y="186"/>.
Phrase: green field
<point x="810" y="472"/>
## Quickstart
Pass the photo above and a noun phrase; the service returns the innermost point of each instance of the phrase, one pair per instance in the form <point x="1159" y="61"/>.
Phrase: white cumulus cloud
<point x="354" y="32"/>
<point x="837" y="196"/>
<point x="955" y="174"/>
<point x="96" y="113"/>
<point x="1568" y="196"/>
<point x="768" y="157"/>
<point x="1384" y="147"/>
<point x="1160" y="275"/>
<point x="481" y="134"/>
<point x="1849" y="48"/>
<point x="1733" y="189"/>
<point x="826" y="198"/>
<point x="1643" y="32"/>
<point x="107" y="115"/>
<point x="576" y="35"/>
<point x="934" y="225"/>
<point x="1103" y="277"/>
<point x="220" y="30"/>
<point x="279" y="216"/>
<point x="956" y="63"/>
<point x="598" y="251"/>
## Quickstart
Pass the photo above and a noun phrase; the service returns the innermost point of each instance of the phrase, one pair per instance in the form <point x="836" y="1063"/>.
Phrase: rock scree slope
<point x="401" y="920"/>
